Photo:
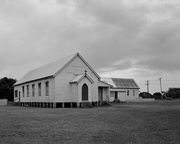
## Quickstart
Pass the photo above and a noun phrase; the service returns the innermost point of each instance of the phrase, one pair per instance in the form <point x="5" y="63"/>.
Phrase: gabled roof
<point x="121" y="83"/>
<point x="51" y="69"/>
<point x="103" y="83"/>
<point x="109" y="81"/>
<point x="78" y="78"/>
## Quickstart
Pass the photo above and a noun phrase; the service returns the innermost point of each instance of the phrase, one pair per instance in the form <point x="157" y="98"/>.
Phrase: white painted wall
<point x="36" y="98"/>
<point x="3" y="102"/>
<point x="106" y="93"/>
<point x="121" y="95"/>
<point x="131" y="96"/>
<point x="106" y="90"/>
<point x="63" y="87"/>
<point x="74" y="92"/>
<point x="112" y="96"/>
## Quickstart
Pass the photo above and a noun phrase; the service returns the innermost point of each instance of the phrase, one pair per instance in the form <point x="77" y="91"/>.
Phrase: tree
<point x="174" y="93"/>
<point x="6" y="88"/>
<point x="145" y="95"/>
<point x="157" y="95"/>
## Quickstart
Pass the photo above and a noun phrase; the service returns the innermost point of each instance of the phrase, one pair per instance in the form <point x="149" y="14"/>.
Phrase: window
<point x="16" y="93"/>
<point x="47" y="88"/>
<point x="39" y="89"/>
<point x="133" y="92"/>
<point x="127" y="92"/>
<point x="27" y="90"/>
<point x="33" y="90"/>
<point x="23" y="90"/>
<point x="84" y="92"/>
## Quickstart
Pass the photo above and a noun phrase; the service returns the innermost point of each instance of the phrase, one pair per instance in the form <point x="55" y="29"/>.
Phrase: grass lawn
<point x="149" y="122"/>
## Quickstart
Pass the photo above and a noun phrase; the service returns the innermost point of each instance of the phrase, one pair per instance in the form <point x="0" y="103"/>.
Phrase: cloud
<point x="142" y="33"/>
<point x="113" y="36"/>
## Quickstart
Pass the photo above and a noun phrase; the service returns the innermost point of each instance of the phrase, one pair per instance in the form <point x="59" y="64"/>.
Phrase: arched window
<point x="84" y="92"/>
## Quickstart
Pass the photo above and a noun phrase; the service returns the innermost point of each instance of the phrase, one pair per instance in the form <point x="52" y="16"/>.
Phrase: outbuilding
<point x="123" y="89"/>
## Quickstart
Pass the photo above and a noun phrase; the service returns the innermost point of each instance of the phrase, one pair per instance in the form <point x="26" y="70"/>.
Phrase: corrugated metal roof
<point x="46" y="70"/>
<point x="122" y="83"/>
<point x="108" y="80"/>
<point x="51" y="69"/>
<point x="77" y="78"/>
<point x="103" y="84"/>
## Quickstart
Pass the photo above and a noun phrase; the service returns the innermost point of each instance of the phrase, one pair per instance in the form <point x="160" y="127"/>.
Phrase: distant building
<point x="70" y="82"/>
<point x="122" y="89"/>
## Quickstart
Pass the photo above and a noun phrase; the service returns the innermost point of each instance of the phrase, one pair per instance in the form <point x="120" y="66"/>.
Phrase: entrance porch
<point x="103" y="92"/>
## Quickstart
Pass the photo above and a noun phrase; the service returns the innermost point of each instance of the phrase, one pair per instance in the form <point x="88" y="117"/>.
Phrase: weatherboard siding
<point x="74" y="92"/>
<point x="131" y="96"/>
<point x="63" y="92"/>
<point x="36" y="97"/>
<point x="127" y="97"/>
<point x="106" y="94"/>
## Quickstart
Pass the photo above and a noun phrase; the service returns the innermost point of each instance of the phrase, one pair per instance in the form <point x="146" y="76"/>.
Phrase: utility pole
<point x="160" y="84"/>
<point x="147" y="83"/>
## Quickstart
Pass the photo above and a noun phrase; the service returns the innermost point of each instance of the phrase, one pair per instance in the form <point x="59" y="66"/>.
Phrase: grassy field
<point x="149" y="122"/>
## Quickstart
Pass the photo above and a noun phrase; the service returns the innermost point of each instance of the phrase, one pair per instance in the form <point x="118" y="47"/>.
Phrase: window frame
<point x="39" y="89"/>
<point x="47" y="88"/>
<point x="27" y="87"/>
<point x="127" y="92"/>
<point x="85" y="92"/>
<point x="16" y="94"/>
<point x="23" y="94"/>
<point x="33" y="90"/>
<point x="133" y="92"/>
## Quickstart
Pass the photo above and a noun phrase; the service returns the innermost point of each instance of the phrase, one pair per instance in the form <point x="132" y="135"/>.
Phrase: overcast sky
<point x="137" y="39"/>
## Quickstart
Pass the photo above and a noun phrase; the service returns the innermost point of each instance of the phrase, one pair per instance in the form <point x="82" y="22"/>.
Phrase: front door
<point x="84" y="92"/>
<point x="116" y="95"/>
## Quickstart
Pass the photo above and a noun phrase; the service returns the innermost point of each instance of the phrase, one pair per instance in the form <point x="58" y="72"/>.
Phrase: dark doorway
<point x="100" y="90"/>
<point x="84" y="92"/>
<point x="116" y="95"/>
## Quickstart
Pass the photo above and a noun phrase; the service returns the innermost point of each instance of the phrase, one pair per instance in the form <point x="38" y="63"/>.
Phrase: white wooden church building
<point x="68" y="82"/>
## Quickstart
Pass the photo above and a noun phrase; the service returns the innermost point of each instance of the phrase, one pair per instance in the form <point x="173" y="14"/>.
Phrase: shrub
<point x="86" y="105"/>
<point x="145" y="95"/>
<point x="174" y="93"/>
<point x="157" y="95"/>
<point x="169" y="98"/>
<point x="105" y="103"/>
<point x="116" y="101"/>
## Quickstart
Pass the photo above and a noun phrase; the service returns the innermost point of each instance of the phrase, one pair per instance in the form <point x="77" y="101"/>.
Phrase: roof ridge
<point x="52" y="62"/>
<point x="42" y="71"/>
<point x="116" y="78"/>
<point x="123" y="78"/>
<point x="59" y="60"/>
